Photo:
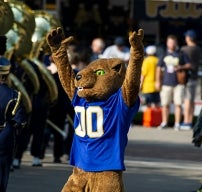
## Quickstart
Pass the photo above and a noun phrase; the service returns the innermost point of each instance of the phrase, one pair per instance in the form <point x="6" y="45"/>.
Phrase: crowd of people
<point x="172" y="79"/>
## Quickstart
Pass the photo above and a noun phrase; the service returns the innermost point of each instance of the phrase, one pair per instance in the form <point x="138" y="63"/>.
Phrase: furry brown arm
<point x="59" y="45"/>
<point x="131" y="84"/>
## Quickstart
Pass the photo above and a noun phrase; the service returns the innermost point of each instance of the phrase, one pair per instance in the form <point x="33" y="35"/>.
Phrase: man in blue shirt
<point x="171" y="90"/>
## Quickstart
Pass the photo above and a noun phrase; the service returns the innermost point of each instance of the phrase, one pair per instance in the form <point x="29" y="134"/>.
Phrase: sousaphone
<point x="44" y="22"/>
<point x="19" y="39"/>
<point x="14" y="41"/>
<point x="6" y="17"/>
<point x="6" y="24"/>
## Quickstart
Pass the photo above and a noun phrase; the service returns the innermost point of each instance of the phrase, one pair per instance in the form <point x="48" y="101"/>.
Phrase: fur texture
<point x="81" y="181"/>
<point x="98" y="81"/>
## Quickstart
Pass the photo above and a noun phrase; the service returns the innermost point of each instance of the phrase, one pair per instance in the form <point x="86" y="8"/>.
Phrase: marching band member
<point x="12" y="117"/>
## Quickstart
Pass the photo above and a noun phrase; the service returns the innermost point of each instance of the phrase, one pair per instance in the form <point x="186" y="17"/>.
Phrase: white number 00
<point x="85" y="126"/>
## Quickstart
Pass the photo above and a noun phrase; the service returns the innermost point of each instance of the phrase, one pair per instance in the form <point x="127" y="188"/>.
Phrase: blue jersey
<point x="101" y="130"/>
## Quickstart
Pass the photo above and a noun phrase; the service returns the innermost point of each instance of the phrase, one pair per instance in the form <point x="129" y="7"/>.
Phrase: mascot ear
<point x="117" y="67"/>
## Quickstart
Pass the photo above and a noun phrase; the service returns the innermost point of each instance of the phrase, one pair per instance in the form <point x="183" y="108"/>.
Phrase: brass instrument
<point x="6" y="23"/>
<point x="19" y="39"/>
<point x="6" y="17"/>
<point x="44" y="22"/>
<point x="16" y="83"/>
<point x="13" y="41"/>
<point x="24" y="15"/>
<point x="31" y="73"/>
<point x="19" y="43"/>
<point x="25" y="39"/>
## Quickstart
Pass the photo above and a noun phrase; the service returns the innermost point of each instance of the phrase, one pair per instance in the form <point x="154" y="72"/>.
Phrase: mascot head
<point x="100" y="79"/>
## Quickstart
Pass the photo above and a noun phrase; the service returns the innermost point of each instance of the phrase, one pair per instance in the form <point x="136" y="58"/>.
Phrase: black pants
<point x="35" y="128"/>
<point x="69" y="139"/>
<point x="5" y="163"/>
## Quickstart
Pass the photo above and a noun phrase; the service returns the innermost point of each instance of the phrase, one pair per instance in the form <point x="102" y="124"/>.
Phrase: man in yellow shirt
<point x="148" y="76"/>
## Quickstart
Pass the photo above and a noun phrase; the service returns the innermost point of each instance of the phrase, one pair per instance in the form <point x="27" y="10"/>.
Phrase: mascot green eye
<point x="100" y="72"/>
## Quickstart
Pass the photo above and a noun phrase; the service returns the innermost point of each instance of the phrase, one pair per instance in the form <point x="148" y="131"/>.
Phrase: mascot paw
<point x="135" y="39"/>
<point x="55" y="37"/>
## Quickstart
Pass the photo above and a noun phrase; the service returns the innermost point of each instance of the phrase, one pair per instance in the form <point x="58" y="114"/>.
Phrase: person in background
<point x="194" y="53"/>
<point x="74" y="59"/>
<point x="168" y="84"/>
<point x="12" y="118"/>
<point x="117" y="50"/>
<point x="97" y="47"/>
<point x="33" y="134"/>
<point x="148" y="78"/>
<point x="61" y="113"/>
<point x="56" y="117"/>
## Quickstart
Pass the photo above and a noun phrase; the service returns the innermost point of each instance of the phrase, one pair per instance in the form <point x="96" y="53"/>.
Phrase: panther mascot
<point x="105" y="99"/>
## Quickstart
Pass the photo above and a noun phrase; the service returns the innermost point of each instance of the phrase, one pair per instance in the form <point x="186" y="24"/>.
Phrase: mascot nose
<point x="78" y="77"/>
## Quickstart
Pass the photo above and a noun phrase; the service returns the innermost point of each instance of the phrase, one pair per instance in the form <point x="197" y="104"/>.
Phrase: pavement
<point x="162" y="144"/>
<point x="156" y="161"/>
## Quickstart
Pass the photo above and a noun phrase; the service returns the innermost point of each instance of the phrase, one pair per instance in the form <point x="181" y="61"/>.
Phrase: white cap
<point x="150" y="50"/>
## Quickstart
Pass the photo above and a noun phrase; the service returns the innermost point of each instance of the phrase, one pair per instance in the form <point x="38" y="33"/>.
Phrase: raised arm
<point x="59" y="45"/>
<point x="131" y="84"/>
